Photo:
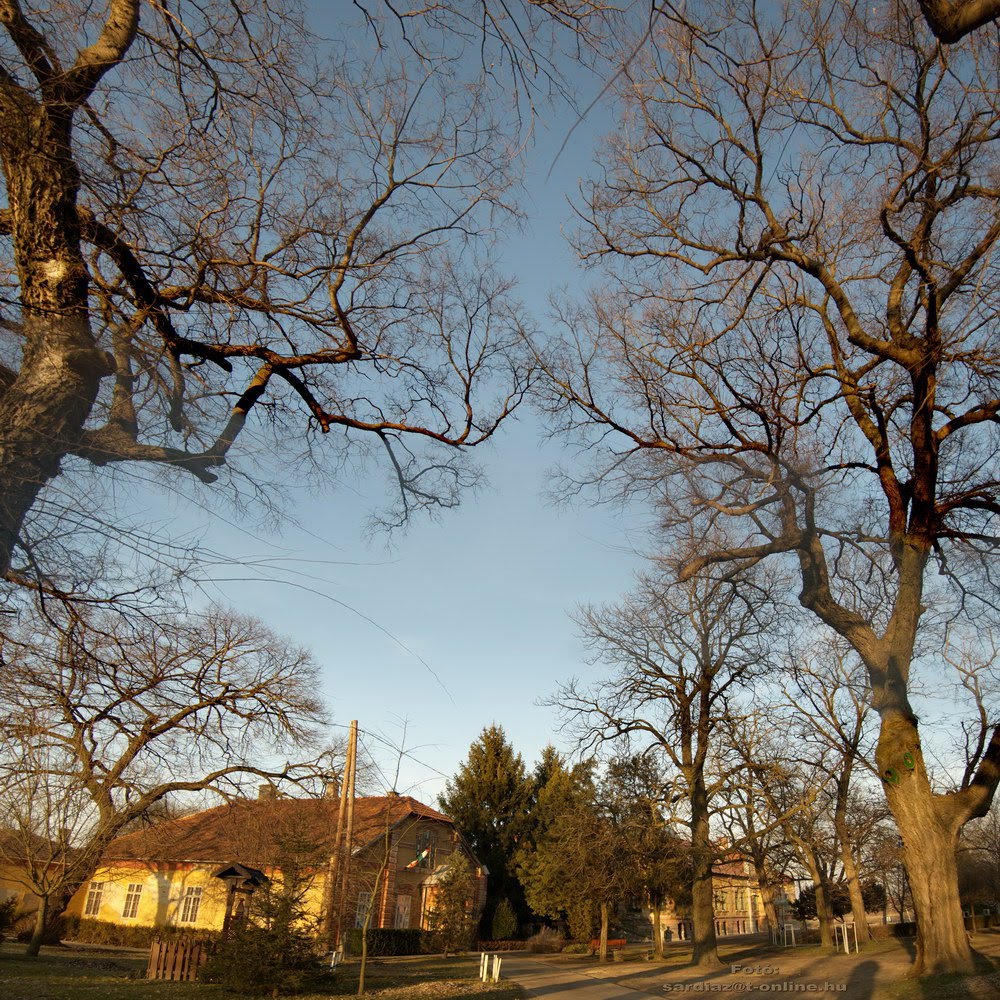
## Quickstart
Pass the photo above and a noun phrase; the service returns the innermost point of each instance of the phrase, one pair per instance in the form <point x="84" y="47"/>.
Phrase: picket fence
<point x="177" y="959"/>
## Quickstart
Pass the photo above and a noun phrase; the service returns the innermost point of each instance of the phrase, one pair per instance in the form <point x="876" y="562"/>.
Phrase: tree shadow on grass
<point x="984" y="982"/>
<point x="861" y="981"/>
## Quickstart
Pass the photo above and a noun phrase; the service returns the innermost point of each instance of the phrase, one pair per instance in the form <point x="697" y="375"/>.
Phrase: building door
<point x="402" y="911"/>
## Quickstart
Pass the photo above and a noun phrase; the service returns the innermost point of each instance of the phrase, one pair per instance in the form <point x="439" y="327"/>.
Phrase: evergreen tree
<point x="504" y="921"/>
<point x="634" y="790"/>
<point x="450" y="918"/>
<point x="489" y="800"/>
<point x="580" y="866"/>
<point x="275" y="949"/>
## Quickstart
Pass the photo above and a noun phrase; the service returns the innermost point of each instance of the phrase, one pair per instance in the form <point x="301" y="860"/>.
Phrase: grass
<point x="80" y="974"/>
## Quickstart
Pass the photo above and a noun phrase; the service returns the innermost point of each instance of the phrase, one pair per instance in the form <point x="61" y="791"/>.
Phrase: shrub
<point x="504" y="924"/>
<point x="255" y="959"/>
<point x="546" y="940"/>
<point x="501" y="945"/>
<point x="576" y="948"/>
<point x="23" y="927"/>
<point x="388" y="941"/>
<point x="7" y="916"/>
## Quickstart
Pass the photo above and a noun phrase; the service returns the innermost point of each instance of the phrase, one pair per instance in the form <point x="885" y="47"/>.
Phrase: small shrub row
<point x="504" y="945"/>
<point x="126" y="936"/>
<point x="576" y="948"/>
<point x="390" y="941"/>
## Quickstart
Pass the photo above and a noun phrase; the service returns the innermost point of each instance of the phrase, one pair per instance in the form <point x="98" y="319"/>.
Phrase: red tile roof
<point x="253" y="831"/>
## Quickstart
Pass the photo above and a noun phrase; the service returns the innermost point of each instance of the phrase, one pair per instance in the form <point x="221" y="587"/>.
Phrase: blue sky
<point x="459" y="624"/>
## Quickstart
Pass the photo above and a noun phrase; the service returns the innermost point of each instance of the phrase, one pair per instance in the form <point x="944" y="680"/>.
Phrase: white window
<point x="364" y="904"/>
<point x="131" y="908"/>
<point x="402" y="911"/>
<point x="190" y="904"/>
<point x="95" y="894"/>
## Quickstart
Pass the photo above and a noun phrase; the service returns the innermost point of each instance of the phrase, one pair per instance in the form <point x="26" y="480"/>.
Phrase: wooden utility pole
<point x="349" y="835"/>
<point x="336" y="877"/>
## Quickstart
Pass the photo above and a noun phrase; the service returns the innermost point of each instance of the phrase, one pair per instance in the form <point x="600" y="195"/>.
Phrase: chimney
<point x="331" y="788"/>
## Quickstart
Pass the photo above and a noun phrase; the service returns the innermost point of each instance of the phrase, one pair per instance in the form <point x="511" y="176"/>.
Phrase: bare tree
<point x="101" y="718"/>
<point x="749" y="822"/>
<point x="213" y="226"/>
<point x="801" y="214"/>
<point x="680" y="653"/>
<point x="828" y="694"/>
<point x="799" y="796"/>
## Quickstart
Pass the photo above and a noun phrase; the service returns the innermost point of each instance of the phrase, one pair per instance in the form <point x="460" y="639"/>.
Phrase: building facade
<point x="200" y="871"/>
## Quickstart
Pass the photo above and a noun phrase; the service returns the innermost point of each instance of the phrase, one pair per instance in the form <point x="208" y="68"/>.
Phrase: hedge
<point x="127" y="936"/>
<point x="881" y="931"/>
<point x="504" y="945"/>
<point x="388" y="941"/>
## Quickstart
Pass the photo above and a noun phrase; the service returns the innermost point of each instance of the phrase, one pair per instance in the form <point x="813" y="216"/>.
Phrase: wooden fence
<point x="178" y="959"/>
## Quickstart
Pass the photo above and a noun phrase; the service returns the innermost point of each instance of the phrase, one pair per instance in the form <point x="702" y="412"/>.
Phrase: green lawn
<point x="79" y="974"/>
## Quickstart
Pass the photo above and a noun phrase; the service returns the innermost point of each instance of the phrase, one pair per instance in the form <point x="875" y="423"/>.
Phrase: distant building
<point x="739" y="905"/>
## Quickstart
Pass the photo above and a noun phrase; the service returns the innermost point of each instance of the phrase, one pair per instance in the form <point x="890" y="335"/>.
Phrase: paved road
<point x="548" y="979"/>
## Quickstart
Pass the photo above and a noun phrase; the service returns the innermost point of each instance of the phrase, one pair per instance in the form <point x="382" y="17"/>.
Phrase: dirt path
<point x="755" y="971"/>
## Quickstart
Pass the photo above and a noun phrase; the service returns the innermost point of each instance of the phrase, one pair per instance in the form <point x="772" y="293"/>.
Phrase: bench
<point x="595" y="944"/>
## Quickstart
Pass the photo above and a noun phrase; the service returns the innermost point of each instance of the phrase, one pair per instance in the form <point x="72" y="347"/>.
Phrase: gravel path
<point x="756" y="972"/>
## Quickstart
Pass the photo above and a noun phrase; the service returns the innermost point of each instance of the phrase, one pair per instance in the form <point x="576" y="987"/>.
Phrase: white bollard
<point x="496" y="968"/>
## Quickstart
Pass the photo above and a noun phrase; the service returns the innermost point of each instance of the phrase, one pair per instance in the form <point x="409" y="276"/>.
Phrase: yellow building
<point x="189" y="873"/>
<point x="739" y="905"/>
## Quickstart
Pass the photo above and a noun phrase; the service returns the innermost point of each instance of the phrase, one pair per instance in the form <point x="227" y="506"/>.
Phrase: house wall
<point x="403" y="900"/>
<point x="12" y="886"/>
<point x="161" y="897"/>
<point x="739" y="908"/>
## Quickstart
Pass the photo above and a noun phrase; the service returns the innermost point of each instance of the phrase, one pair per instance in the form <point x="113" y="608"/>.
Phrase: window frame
<point x="361" y="909"/>
<point x="95" y="899"/>
<point x="191" y="904"/>
<point x="133" y="897"/>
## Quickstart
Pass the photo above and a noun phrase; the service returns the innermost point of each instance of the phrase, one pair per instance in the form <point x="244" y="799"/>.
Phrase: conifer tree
<point x="580" y="866"/>
<point x="489" y="800"/>
<point x="450" y="918"/>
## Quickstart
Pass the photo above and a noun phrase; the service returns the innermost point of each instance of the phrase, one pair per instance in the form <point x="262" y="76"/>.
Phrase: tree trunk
<point x="843" y="832"/>
<point x="764" y="884"/>
<point x="770" y="910"/>
<point x="43" y="410"/>
<point x="604" y="932"/>
<point x="858" y="910"/>
<point x="38" y="931"/>
<point x="658" y="929"/>
<point x="819" y="880"/>
<point x="704" y="950"/>
<point x="824" y="914"/>
<point x="929" y="826"/>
